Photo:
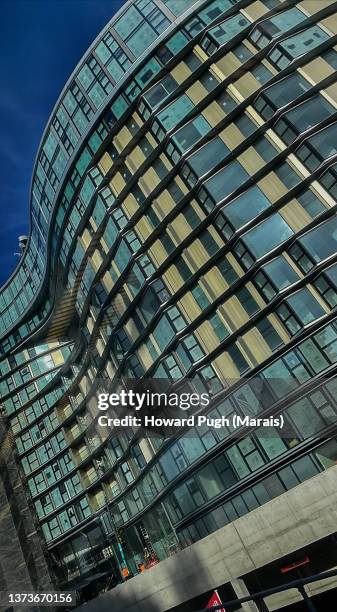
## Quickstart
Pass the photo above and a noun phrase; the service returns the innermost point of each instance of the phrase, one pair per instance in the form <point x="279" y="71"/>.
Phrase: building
<point x="183" y="227"/>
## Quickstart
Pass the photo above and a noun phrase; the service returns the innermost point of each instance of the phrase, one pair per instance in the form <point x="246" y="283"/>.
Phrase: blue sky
<point x="41" y="43"/>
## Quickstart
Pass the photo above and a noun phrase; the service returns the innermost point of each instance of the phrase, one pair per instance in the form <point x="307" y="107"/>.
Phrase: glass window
<point x="304" y="468"/>
<point x="305" y="418"/>
<point x="140" y="24"/>
<point x="247" y="301"/>
<point x="245" y="207"/>
<point x="226" y="181"/>
<point x="321" y="242"/>
<point x="281" y="93"/>
<point x="267" y="235"/>
<point x="276" y="25"/>
<point x="269" y="334"/>
<point x="280" y="273"/>
<point x="298" y="120"/>
<point x="304" y="305"/>
<point x="226" y="102"/>
<point x="159" y="92"/>
<point x="177" y="7"/>
<point x="330" y="57"/>
<point x="225" y="31"/>
<point x="297" y="45"/>
<point x="311" y="203"/>
<point x="245" y="125"/>
<point x="208" y="156"/>
<point x="261" y="73"/>
<point x="191" y="133"/>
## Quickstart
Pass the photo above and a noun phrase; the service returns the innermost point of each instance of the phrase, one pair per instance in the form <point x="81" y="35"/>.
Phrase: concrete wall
<point x="23" y="566"/>
<point x="297" y="518"/>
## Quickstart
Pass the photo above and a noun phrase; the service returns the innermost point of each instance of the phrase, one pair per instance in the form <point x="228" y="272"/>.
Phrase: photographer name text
<point x="235" y="421"/>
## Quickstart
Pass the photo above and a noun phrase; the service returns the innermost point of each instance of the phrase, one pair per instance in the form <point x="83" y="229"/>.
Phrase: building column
<point x="242" y="591"/>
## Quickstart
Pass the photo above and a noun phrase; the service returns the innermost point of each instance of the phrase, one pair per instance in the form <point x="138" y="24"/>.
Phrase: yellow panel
<point x="194" y="204"/>
<point x="295" y="215"/>
<point x="254" y="116"/>
<point x="149" y="181"/>
<point x="313" y="6"/>
<point x="173" y="279"/>
<point x="330" y="23"/>
<point x="255" y="346"/>
<point x="228" y="64"/>
<point x="151" y="140"/>
<point x="113" y="189"/>
<point x="272" y="187"/>
<point x="130" y="205"/>
<point x="117" y="183"/>
<point x="215" y="235"/>
<point x="195" y="256"/>
<point x="251" y="161"/>
<point x="105" y="163"/>
<point x="275" y="140"/>
<point x="234" y="313"/>
<point x="158" y="252"/>
<point x="316" y="71"/>
<point x="107" y="282"/>
<point x="236" y="266"/>
<point x="255" y="10"/>
<point x="207" y="337"/>
<point x="93" y="224"/>
<point x="318" y="298"/>
<point x="135" y="159"/>
<point x="198" y="252"/>
<point x="235" y="94"/>
<point x="100" y="499"/>
<point x="85" y="238"/>
<point x="145" y="357"/>
<point x="216" y="72"/>
<point x="247" y="85"/>
<point x="214" y="283"/>
<point x="231" y="136"/>
<point x="137" y="119"/>
<point x="181" y="72"/>
<point x="197" y="92"/>
<point x="122" y="139"/>
<point x="256" y="295"/>
<point x="298" y="167"/>
<point x="279" y="328"/>
<point x="110" y="369"/>
<point x="163" y="204"/>
<point x="225" y="368"/>
<point x="96" y="260"/>
<point x="181" y="185"/>
<point x="58" y="358"/>
<point x="213" y="114"/>
<point x="100" y="345"/>
<point x="323" y="195"/>
<point x="146" y="449"/>
<point x="331" y="93"/>
<point x="166" y="161"/>
<point x="200" y="53"/>
<point x="143" y="228"/>
<point x="180" y="228"/>
<point x="90" y="324"/>
<point x="189" y="306"/>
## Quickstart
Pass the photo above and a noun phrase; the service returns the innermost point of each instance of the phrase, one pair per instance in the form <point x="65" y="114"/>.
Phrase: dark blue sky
<point x="41" y="43"/>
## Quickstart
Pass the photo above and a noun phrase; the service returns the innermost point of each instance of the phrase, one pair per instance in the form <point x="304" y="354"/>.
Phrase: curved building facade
<point x="183" y="227"/>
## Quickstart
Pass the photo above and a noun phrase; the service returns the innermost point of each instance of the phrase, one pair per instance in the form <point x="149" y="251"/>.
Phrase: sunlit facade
<point x="182" y="226"/>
